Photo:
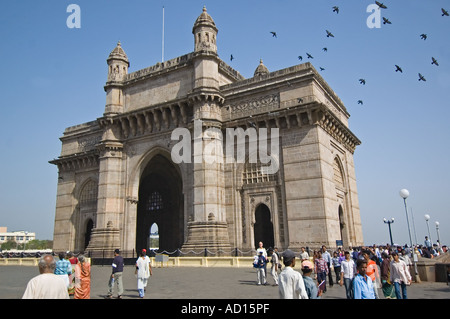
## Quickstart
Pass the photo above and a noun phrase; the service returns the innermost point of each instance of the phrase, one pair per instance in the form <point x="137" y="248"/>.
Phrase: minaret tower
<point x="118" y="65"/>
<point x="205" y="53"/>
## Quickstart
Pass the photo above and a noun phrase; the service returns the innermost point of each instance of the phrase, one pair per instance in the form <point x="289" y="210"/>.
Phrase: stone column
<point x="208" y="228"/>
<point x="106" y="234"/>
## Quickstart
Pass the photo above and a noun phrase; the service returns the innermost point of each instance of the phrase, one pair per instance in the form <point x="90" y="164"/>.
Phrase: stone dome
<point x="118" y="54"/>
<point x="261" y="69"/>
<point x="204" y="19"/>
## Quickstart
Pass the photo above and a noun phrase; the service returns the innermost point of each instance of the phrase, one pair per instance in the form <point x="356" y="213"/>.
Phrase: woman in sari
<point x="143" y="271"/>
<point x="386" y="286"/>
<point x="82" y="279"/>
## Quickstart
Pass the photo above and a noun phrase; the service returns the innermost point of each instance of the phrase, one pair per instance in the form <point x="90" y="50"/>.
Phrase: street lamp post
<point x="437" y="231"/>
<point x="427" y="218"/>
<point x="404" y="193"/>
<point x="389" y="222"/>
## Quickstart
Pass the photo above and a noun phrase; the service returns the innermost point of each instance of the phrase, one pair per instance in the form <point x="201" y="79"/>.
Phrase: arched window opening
<point x="155" y="202"/>
<point x="89" y="193"/>
<point x="338" y="174"/>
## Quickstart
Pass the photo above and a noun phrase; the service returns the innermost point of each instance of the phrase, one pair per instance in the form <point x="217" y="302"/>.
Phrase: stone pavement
<point x="192" y="283"/>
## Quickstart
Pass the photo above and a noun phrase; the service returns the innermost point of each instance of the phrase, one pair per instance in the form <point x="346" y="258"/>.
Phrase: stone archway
<point x="263" y="227"/>
<point x="160" y="202"/>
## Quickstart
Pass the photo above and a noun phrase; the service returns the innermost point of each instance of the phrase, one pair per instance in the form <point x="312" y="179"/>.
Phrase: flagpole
<point x="162" y="54"/>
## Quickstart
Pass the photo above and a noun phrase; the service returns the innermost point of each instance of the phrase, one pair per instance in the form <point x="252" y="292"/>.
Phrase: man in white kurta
<point x="47" y="285"/>
<point x="290" y="282"/>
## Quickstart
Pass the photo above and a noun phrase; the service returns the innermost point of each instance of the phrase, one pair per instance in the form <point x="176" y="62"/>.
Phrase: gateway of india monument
<point x="118" y="175"/>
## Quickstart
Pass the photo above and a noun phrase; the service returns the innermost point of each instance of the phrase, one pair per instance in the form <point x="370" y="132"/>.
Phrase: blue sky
<point x="53" y="77"/>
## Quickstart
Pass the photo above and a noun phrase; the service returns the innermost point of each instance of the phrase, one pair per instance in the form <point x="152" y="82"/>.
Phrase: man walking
<point x="326" y="255"/>
<point x="362" y="284"/>
<point x="400" y="276"/>
<point x="116" y="275"/>
<point x="290" y="282"/>
<point x="275" y="261"/>
<point x="348" y="272"/>
<point x="260" y="265"/>
<point x="46" y="285"/>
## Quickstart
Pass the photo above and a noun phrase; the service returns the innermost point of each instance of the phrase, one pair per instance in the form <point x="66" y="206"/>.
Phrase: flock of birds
<point x="362" y="81"/>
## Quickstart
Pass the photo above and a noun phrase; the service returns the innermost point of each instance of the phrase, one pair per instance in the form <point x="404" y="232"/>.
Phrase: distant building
<point x="117" y="175"/>
<point x="20" y="237"/>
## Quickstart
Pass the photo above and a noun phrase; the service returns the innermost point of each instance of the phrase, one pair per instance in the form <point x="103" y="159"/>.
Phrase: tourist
<point x="260" y="265"/>
<point x="400" y="276"/>
<point x="311" y="287"/>
<point x="264" y="251"/>
<point x="321" y="270"/>
<point x="116" y="276"/>
<point x="385" y="274"/>
<point x="143" y="272"/>
<point x="336" y="262"/>
<point x="426" y="253"/>
<point x="326" y="255"/>
<point x="290" y="282"/>
<point x="362" y="284"/>
<point x="348" y="272"/>
<point x="304" y="254"/>
<point x="405" y="257"/>
<point x="82" y="279"/>
<point x="46" y="285"/>
<point x="372" y="270"/>
<point x="73" y="262"/>
<point x="275" y="262"/>
<point x="63" y="268"/>
<point x="427" y="243"/>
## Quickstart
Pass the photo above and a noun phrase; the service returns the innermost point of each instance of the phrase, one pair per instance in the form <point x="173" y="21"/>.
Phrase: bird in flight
<point x="300" y="57"/>
<point x="231" y="58"/>
<point x="380" y="5"/>
<point x="336" y="9"/>
<point x="423" y="36"/>
<point x="329" y="34"/>
<point x="274" y="34"/>
<point x="325" y="50"/>
<point x="360" y="102"/>
<point x="434" y="61"/>
<point x="444" y="12"/>
<point x="422" y="78"/>
<point x="309" y="56"/>
<point x="299" y="100"/>
<point x="362" y="81"/>
<point x="252" y="124"/>
<point x="322" y="69"/>
<point x="398" y="69"/>
<point x="386" y="21"/>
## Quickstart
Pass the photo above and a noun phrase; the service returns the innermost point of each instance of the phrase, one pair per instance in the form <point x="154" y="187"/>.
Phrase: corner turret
<point x="118" y="65"/>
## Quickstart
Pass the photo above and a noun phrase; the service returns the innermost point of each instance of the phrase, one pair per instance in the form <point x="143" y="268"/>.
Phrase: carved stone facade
<point x="117" y="176"/>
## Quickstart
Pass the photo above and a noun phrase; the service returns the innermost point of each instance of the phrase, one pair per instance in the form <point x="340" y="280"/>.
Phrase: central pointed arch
<point x="161" y="202"/>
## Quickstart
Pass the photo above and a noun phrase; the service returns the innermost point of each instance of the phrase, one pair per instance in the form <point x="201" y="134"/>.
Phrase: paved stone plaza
<point x="192" y="283"/>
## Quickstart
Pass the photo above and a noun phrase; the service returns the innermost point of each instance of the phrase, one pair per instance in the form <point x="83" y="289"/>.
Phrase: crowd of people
<point x="71" y="276"/>
<point x="60" y="279"/>
<point x="362" y="271"/>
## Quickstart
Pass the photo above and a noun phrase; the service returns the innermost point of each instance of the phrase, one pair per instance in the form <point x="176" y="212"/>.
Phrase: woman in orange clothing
<point x="372" y="271"/>
<point x="82" y="279"/>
